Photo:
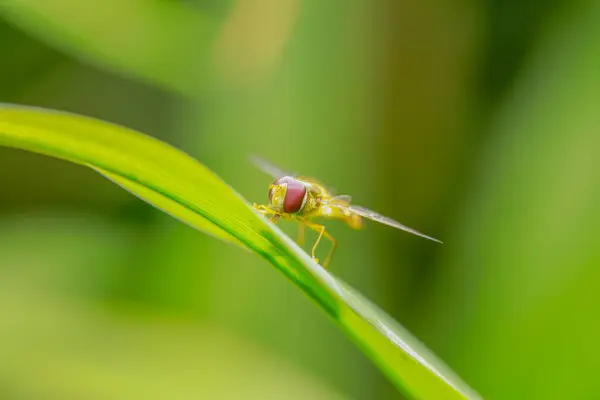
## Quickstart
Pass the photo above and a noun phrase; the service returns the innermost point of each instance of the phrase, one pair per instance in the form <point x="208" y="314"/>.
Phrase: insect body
<point x="304" y="199"/>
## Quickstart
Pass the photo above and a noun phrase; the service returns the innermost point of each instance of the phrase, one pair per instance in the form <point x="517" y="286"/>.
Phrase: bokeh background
<point x="477" y="122"/>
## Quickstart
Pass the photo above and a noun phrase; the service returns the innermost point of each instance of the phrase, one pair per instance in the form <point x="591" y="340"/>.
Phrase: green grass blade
<point x="184" y="188"/>
<point x="171" y="207"/>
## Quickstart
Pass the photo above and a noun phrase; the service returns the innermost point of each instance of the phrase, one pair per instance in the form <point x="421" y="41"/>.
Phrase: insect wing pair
<point x="342" y="202"/>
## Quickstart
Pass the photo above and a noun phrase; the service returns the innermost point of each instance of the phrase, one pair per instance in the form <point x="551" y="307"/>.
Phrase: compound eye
<point x="287" y="194"/>
<point x="294" y="197"/>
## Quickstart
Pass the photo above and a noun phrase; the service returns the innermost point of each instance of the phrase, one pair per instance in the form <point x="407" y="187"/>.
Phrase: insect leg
<point x="267" y="211"/>
<point x="333" y="247"/>
<point x="301" y="229"/>
<point x="261" y="209"/>
<point x="321" y="230"/>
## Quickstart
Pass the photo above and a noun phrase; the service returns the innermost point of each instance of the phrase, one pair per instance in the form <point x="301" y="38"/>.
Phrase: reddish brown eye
<point x="294" y="194"/>
<point x="294" y="197"/>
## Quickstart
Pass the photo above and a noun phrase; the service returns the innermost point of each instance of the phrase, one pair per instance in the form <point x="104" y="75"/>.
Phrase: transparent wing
<point x="269" y="168"/>
<point x="276" y="172"/>
<point x="341" y="200"/>
<point x="330" y="191"/>
<point x="372" y="215"/>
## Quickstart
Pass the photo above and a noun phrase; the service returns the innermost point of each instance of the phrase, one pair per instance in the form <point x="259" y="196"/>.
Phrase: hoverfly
<point x="303" y="199"/>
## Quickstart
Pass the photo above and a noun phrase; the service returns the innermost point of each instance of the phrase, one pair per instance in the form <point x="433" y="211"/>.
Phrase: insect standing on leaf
<point x="304" y="199"/>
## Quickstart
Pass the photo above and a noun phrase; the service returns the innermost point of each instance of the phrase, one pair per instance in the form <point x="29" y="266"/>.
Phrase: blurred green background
<point x="475" y="122"/>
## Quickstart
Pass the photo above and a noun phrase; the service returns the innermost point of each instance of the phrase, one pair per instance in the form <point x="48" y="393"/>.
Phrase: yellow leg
<point x="263" y="209"/>
<point x="274" y="215"/>
<point x="333" y="248"/>
<point x="321" y="230"/>
<point x="301" y="229"/>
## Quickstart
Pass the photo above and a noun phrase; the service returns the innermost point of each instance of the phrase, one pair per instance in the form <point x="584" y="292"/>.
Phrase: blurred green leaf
<point x="178" y="184"/>
<point x="60" y="340"/>
<point x="522" y="293"/>
<point x="163" y="42"/>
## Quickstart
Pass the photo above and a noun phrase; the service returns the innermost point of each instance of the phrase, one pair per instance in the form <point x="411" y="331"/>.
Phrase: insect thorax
<point x="312" y="204"/>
